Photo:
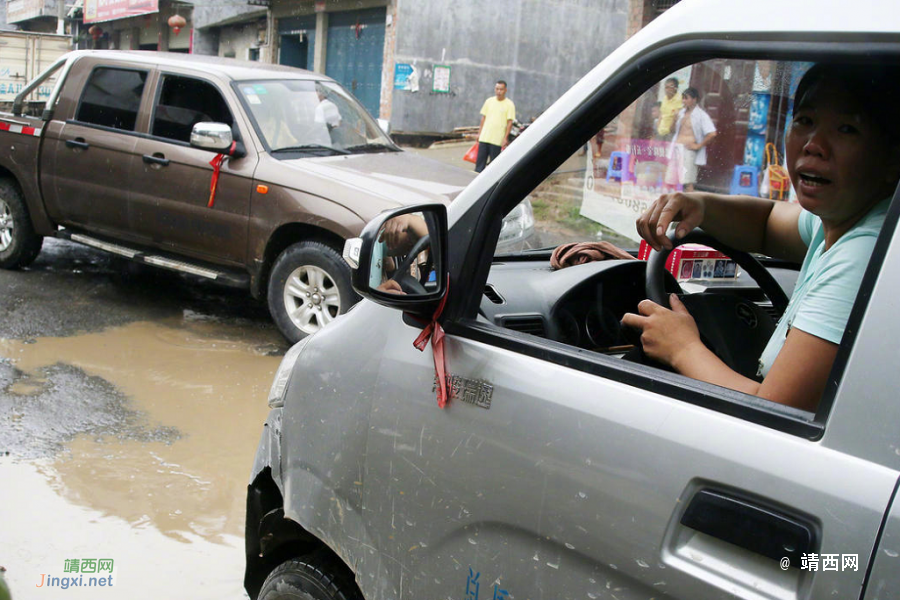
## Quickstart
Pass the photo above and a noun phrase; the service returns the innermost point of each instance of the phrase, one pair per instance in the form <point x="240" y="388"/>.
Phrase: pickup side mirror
<point x="216" y="136"/>
<point x="399" y="260"/>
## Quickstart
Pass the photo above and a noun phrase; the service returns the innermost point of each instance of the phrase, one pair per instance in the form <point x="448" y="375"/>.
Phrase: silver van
<point x="483" y="427"/>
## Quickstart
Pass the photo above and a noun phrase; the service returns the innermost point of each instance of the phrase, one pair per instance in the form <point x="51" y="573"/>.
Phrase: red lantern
<point x="176" y="22"/>
<point x="95" y="32"/>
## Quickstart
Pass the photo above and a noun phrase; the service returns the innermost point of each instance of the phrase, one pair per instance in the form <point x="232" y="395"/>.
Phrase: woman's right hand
<point x="652" y="225"/>
<point x="401" y="232"/>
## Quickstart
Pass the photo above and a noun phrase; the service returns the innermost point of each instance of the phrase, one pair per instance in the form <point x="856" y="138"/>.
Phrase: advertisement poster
<point x="405" y="77"/>
<point x="96" y="11"/>
<point x="648" y="169"/>
<point x="441" y="82"/>
<point x="759" y="113"/>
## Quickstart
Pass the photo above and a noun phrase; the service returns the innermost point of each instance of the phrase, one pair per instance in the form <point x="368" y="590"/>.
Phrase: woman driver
<point x="843" y="157"/>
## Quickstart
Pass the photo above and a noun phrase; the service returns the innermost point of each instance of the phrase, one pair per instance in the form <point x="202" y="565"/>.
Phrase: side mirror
<point x="216" y="136"/>
<point x="385" y="125"/>
<point x="399" y="260"/>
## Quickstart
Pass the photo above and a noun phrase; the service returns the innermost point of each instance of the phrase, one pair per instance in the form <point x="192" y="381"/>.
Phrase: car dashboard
<point x="583" y="305"/>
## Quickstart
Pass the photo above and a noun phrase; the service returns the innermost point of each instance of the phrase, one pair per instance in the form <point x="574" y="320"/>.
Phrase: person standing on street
<point x="497" y="116"/>
<point x="694" y="130"/>
<point x="669" y="108"/>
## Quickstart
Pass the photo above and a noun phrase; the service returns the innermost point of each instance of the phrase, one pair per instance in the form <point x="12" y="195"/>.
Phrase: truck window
<point x="184" y="102"/>
<point x="112" y="97"/>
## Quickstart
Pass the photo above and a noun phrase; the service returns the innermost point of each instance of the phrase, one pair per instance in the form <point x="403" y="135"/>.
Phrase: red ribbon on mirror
<point x="435" y="332"/>
<point x="216" y="164"/>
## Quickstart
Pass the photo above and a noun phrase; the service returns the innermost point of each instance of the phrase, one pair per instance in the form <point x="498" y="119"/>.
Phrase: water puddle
<point x="134" y="444"/>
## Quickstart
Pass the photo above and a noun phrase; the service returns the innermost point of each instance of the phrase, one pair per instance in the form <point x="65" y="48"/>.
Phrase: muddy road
<point x="131" y="402"/>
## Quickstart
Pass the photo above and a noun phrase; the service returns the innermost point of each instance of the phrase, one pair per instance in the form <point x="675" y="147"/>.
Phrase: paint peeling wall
<point x="207" y="14"/>
<point x="540" y="47"/>
<point x="236" y="41"/>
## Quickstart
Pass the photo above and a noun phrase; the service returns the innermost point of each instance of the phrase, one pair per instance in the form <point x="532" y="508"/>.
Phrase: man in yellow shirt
<point x="497" y="116"/>
<point x="669" y="108"/>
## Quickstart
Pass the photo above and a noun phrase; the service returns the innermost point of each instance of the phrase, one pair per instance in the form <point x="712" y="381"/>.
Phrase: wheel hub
<point x="312" y="298"/>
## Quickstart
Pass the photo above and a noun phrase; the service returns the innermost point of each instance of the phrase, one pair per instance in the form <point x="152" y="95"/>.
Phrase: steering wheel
<point x="735" y="329"/>
<point x="407" y="282"/>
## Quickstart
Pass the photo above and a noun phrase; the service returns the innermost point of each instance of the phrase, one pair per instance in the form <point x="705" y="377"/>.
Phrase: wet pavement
<point x="131" y="402"/>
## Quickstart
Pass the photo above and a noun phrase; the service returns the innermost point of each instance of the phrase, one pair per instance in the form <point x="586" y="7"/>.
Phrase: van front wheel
<point x="309" y="287"/>
<point x="310" y="578"/>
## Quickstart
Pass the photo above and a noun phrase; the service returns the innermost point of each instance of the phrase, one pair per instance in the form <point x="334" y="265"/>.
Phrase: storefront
<point x="139" y="24"/>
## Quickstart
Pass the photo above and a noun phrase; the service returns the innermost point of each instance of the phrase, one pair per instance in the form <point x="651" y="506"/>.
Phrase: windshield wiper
<point x="310" y="147"/>
<point x="371" y="147"/>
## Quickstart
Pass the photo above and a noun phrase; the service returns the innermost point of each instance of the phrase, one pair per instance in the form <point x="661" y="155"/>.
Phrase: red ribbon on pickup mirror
<point x="216" y="164"/>
<point x="435" y="332"/>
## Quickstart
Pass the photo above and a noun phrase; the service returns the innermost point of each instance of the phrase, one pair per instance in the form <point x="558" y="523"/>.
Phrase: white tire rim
<point x="311" y="298"/>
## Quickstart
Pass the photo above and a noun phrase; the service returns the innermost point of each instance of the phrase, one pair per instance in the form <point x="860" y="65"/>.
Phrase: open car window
<point x="728" y="138"/>
<point x="598" y="192"/>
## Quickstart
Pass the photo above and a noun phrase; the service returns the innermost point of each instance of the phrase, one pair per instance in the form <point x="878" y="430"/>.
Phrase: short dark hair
<point x="692" y="92"/>
<point x="876" y="87"/>
<point x="503" y="82"/>
<point x="672" y="80"/>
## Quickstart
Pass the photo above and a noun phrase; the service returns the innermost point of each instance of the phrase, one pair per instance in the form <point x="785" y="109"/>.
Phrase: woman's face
<point x="839" y="161"/>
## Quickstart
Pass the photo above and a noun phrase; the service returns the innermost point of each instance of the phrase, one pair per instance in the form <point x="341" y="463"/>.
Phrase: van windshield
<point x="311" y="117"/>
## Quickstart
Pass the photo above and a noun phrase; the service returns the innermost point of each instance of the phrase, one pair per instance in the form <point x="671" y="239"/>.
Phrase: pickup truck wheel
<point x="309" y="287"/>
<point x="19" y="244"/>
<point x="316" y="577"/>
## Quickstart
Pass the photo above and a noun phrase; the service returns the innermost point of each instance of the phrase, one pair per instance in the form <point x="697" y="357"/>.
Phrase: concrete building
<point x="428" y="66"/>
<point x="425" y="65"/>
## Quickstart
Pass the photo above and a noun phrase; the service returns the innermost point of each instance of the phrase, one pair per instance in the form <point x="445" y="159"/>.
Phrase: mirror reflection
<point x="402" y="260"/>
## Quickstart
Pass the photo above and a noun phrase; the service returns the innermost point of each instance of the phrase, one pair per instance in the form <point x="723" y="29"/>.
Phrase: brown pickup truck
<point x="251" y="175"/>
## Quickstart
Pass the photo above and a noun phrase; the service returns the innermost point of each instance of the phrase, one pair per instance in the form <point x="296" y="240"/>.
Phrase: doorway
<point x="355" y="53"/>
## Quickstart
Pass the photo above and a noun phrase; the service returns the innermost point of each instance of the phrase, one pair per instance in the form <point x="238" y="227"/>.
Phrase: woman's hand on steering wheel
<point x="666" y="335"/>
<point x="391" y="286"/>
<point x="653" y="223"/>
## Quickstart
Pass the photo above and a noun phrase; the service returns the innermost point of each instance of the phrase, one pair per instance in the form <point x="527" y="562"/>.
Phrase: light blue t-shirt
<point x="828" y="282"/>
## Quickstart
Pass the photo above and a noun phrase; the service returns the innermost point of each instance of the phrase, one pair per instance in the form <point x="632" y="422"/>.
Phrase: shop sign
<point x="22" y="10"/>
<point x="96" y="11"/>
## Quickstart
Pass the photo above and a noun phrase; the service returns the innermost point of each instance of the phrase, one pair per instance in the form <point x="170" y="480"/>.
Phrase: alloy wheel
<point x="311" y="298"/>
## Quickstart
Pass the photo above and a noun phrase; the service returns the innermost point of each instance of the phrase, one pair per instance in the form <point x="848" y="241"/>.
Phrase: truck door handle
<point x="78" y="143"/>
<point x="156" y="160"/>
<point x="744" y="523"/>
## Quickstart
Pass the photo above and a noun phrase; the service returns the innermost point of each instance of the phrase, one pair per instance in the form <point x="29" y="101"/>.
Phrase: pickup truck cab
<point x="562" y="465"/>
<point x="247" y="174"/>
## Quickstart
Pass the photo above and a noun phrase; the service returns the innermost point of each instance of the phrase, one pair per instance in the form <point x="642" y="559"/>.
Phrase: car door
<point x="86" y="160"/>
<point x="172" y="206"/>
<point x="560" y="470"/>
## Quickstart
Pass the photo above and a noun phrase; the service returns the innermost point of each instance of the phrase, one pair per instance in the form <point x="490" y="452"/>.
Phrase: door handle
<point x="156" y="160"/>
<point x="78" y="143"/>
<point x="745" y="523"/>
